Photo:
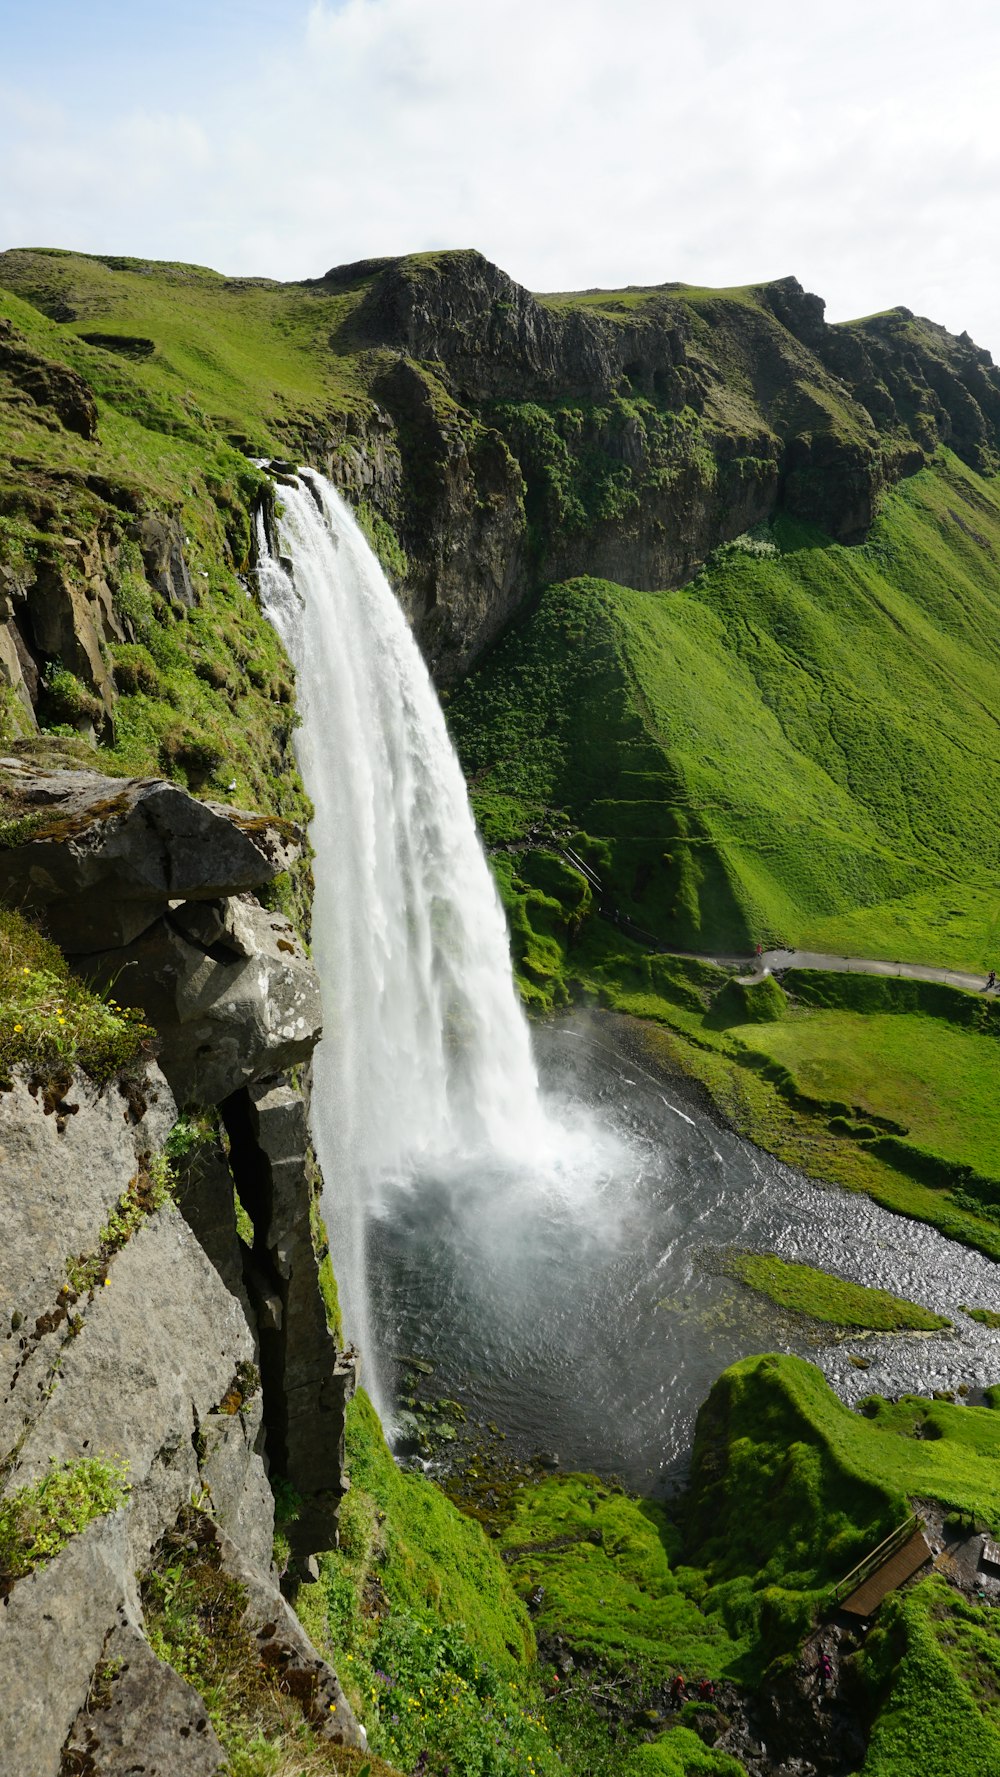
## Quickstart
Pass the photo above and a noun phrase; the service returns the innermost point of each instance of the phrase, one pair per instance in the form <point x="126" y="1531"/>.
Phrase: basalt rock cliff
<point x="183" y="1334"/>
<point x="494" y="441"/>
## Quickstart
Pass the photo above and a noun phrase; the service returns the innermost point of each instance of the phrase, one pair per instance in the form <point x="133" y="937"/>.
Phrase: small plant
<point x="67" y="701"/>
<point x="194" y="1130"/>
<point x="50" y="1021"/>
<point x="152" y="1187"/>
<point x="38" y="1520"/>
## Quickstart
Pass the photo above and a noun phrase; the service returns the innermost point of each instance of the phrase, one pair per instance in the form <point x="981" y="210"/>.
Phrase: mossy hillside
<point x="796" y="747"/>
<point x="680" y="1754"/>
<point x="609" y="1583"/>
<point x="420" y="1618"/>
<point x="803" y="1290"/>
<point x="434" y="1558"/>
<point x="932" y="1666"/>
<point x="773" y="1429"/>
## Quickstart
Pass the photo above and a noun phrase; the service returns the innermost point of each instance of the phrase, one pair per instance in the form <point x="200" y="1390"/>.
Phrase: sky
<point x="577" y="143"/>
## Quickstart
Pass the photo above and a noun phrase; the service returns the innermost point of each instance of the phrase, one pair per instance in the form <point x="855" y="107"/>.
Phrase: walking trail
<point x="773" y="961"/>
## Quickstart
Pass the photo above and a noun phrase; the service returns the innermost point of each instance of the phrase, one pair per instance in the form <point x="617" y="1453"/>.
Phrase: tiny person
<point x="678" y="1691"/>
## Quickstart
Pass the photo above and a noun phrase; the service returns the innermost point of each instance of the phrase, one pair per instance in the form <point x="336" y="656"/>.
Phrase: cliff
<point x="492" y="440"/>
<point x="168" y="1354"/>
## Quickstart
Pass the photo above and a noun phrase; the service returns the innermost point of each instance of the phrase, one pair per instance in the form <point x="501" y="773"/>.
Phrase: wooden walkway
<point x="901" y="1565"/>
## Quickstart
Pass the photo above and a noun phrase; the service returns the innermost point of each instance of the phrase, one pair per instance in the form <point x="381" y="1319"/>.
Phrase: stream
<point x="587" y="1314"/>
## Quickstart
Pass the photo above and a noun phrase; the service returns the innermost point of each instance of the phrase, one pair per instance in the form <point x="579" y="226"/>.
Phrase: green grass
<point x="433" y="1558"/>
<point x="937" y="1655"/>
<point x="987" y="1317"/>
<point x="935" y="1081"/>
<point x="797" y="747"/>
<point x="50" y="1022"/>
<point x="611" y="1590"/>
<point x="804" y="1290"/>
<point x="680" y="1754"/>
<point x="772" y="1426"/>
<point x="420" y="1618"/>
<point x="39" y="1519"/>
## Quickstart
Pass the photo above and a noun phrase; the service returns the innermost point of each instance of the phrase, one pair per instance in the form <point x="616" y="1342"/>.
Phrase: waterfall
<point x="426" y="1063"/>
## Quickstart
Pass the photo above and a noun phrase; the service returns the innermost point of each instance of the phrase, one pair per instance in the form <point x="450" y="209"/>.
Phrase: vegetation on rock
<point x="430" y="1641"/>
<point x="38" y="1519"/>
<point x="194" y="1615"/>
<point x="50" y="1022"/>
<point x="804" y="1290"/>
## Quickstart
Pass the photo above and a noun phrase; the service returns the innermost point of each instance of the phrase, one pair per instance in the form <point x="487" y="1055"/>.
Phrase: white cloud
<point x="577" y="142"/>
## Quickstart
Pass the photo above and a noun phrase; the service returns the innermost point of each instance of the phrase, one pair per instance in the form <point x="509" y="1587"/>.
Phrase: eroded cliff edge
<point x="164" y="1330"/>
<point x="492" y="440"/>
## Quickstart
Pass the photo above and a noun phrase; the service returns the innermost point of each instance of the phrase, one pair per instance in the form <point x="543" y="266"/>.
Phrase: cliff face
<point x="171" y="1330"/>
<point x="651" y="425"/>
<point x="494" y="442"/>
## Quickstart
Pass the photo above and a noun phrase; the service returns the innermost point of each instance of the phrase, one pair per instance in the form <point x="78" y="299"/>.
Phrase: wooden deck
<point x="900" y="1566"/>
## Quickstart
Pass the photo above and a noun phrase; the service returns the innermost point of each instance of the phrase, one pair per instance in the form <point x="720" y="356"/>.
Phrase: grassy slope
<point x="799" y="746"/>
<point x="940" y="1082"/>
<point x="773" y="1429"/>
<point x="248" y="354"/>
<point x="790" y="1488"/>
<point x="213" y="679"/>
<point x="612" y="1590"/>
<point x="418" y="1613"/>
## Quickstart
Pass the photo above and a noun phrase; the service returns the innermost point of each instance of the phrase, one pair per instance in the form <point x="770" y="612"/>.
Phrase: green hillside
<point x="799" y="747"/>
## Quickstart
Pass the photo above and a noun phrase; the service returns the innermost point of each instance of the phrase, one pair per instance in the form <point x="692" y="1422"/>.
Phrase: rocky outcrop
<point x="229" y="989"/>
<point x="62" y="605"/>
<point x="140" y="1716"/>
<point x="307" y="1383"/>
<point x="135" y="1367"/>
<point x="100" y="858"/>
<point x="156" y="1336"/>
<point x="518" y="440"/>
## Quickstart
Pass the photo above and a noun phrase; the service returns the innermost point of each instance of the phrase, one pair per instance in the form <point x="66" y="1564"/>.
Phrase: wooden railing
<point x="875" y="1558"/>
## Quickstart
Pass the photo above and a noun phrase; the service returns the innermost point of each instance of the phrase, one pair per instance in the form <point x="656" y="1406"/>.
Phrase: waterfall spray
<point x="426" y="1058"/>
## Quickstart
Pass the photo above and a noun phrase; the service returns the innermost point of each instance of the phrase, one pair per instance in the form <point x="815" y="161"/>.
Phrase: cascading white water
<point x="426" y="1060"/>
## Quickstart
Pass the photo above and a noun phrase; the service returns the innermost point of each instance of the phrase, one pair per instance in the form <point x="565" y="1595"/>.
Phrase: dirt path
<point x="773" y="961"/>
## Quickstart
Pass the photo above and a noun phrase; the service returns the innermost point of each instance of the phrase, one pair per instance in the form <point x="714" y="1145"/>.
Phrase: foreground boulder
<point x="99" y="858"/>
<point x="129" y="1350"/>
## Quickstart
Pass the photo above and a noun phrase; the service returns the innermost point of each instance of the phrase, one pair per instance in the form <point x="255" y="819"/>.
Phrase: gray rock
<point x="103" y="857"/>
<point x="64" y="1173"/>
<point x="162" y="544"/>
<point x="307" y="1382"/>
<point x="52" y="1630"/>
<point x="157" y="1353"/>
<point x="247" y="1006"/>
<point x="205" y="1198"/>
<point x="140" y="1717"/>
<point x="286" y="1649"/>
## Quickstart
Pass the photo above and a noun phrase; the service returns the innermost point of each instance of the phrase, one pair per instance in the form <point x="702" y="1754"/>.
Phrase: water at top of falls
<point x="426" y="1065"/>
